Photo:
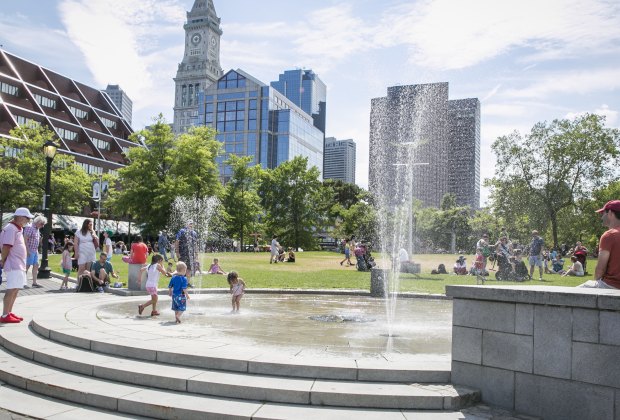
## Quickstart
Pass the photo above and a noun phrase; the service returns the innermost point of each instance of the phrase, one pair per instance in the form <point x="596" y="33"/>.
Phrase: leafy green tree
<point x="22" y="177"/>
<point x="359" y="220"/>
<point x="241" y="200"/>
<point x="293" y="197"/>
<point x="167" y="168"/>
<point x="557" y="164"/>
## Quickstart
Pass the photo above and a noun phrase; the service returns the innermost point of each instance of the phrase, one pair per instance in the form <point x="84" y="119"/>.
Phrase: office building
<point x="464" y="156"/>
<point x="414" y="132"/>
<point x="339" y="160"/>
<point x="200" y="66"/>
<point x="307" y="91"/>
<point x="89" y="126"/>
<point x="254" y="119"/>
<point x="121" y="100"/>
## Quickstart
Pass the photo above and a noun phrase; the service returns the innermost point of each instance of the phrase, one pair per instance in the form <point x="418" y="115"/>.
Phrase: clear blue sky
<point x="526" y="60"/>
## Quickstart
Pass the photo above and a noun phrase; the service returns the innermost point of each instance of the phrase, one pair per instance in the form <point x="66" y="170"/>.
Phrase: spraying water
<point x="196" y="217"/>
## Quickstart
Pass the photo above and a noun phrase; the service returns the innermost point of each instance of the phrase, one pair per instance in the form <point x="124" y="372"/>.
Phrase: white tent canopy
<point x="72" y="223"/>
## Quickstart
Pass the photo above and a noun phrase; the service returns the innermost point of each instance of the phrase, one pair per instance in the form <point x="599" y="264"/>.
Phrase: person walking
<point x="85" y="245"/>
<point x="536" y="259"/>
<point x="275" y="246"/>
<point x="32" y="236"/>
<point x="177" y="290"/>
<point x="607" y="271"/>
<point x="13" y="262"/>
<point x="347" y="253"/>
<point x="163" y="244"/>
<point x="153" y="271"/>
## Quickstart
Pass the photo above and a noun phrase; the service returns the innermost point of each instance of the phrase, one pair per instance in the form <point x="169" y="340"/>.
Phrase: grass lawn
<point x="321" y="270"/>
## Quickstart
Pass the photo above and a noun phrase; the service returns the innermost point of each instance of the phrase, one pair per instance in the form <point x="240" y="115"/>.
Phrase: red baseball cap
<point x="613" y="205"/>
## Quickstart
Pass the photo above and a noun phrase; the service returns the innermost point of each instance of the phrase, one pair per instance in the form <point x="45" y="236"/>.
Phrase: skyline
<point x="526" y="62"/>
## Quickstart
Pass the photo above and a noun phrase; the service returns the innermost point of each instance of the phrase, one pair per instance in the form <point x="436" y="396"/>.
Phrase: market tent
<point x="72" y="223"/>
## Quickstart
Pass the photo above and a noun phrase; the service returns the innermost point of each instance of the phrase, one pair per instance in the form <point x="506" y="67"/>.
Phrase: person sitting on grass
<point x="460" y="266"/>
<point x="101" y="270"/>
<point x="291" y="256"/>
<point x="215" y="267"/>
<point x="557" y="267"/>
<point x="576" y="269"/>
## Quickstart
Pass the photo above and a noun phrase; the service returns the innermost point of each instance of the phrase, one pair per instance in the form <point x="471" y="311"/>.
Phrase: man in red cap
<point x="607" y="272"/>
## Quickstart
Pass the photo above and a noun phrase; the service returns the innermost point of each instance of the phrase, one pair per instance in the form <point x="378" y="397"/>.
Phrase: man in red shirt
<point x="607" y="272"/>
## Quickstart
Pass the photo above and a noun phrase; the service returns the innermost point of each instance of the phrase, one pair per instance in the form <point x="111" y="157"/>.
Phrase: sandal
<point x="154" y="313"/>
<point x="140" y="309"/>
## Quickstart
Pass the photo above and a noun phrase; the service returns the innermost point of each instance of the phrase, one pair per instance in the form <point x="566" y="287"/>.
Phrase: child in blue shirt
<point x="178" y="290"/>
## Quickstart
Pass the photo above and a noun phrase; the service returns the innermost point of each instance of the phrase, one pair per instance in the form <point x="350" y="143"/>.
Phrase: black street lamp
<point x="49" y="148"/>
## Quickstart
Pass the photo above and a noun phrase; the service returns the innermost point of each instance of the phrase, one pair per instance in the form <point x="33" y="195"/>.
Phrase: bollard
<point x="378" y="278"/>
<point x="133" y="282"/>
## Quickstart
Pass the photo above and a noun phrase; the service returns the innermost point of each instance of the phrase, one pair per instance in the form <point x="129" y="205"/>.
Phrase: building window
<point x="190" y="99"/>
<point x="113" y="172"/>
<point x="67" y="134"/>
<point x="184" y="96"/>
<point x="90" y="169"/>
<point x="12" y="152"/>
<point x="27" y="122"/>
<point x="10" y="89"/>
<point x="101" y="144"/>
<point x="194" y="51"/>
<point x="79" y="113"/>
<point x="45" y="101"/>
<point x="108" y="123"/>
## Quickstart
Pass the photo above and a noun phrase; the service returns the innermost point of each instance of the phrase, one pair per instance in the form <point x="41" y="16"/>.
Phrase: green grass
<point x="321" y="270"/>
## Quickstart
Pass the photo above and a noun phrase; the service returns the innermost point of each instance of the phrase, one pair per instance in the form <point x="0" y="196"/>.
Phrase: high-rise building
<point x="307" y="91"/>
<point x="339" y="160"/>
<point x="464" y="154"/>
<point x="88" y="125"/>
<point x="201" y="63"/>
<point x="254" y="119"/>
<point x="414" y="133"/>
<point x="121" y="100"/>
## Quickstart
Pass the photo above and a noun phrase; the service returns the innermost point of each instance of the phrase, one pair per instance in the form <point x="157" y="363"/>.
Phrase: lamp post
<point x="49" y="148"/>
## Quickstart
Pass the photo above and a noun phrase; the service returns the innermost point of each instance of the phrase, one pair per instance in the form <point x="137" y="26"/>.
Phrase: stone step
<point x="245" y="386"/>
<point x="145" y="346"/>
<point x="141" y="401"/>
<point x="33" y="405"/>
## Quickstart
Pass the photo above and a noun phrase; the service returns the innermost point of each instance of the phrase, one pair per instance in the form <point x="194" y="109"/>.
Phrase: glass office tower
<point x="253" y="119"/>
<point x="307" y="91"/>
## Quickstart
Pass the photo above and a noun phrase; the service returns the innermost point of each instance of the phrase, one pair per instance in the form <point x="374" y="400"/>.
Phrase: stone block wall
<point x="552" y="352"/>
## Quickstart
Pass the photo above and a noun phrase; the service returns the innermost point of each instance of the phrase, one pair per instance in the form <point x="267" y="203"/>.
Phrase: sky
<point x="527" y="61"/>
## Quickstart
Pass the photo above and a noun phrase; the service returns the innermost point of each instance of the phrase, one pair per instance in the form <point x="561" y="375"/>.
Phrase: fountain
<point x="201" y="212"/>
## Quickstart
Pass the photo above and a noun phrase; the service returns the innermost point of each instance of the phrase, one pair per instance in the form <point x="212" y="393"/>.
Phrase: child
<point x="291" y="256"/>
<point x="152" y="280"/>
<point x="177" y="288"/>
<point x="215" y="267"/>
<point x="67" y="264"/>
<point x="479" y="262"/>
<point x="237" y="288"/>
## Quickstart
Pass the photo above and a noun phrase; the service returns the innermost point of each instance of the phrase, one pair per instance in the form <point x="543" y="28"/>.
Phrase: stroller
<point x="504" y="271"/>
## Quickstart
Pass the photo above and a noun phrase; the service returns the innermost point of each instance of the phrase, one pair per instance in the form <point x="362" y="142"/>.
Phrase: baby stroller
<point x="505" y="271"/>
<point x="521" y="273"/>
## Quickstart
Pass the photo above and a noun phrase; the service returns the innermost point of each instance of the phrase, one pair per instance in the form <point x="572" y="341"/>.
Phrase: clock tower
<point x="201" y="62"/>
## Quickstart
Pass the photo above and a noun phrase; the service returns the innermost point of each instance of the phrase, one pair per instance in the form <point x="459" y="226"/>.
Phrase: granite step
<point x="134" y="400"/>
<point x="244" y="386"/>
<point x="144" y="346"/>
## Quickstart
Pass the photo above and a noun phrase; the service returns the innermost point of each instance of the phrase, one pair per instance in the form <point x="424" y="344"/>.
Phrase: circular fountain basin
<point x="335" y="325"/>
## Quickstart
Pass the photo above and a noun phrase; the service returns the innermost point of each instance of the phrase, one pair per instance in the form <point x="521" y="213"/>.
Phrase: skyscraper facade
<point x="339" y="160"/>
<point x="254" y="119"/>
<point x="414" y="133"/>
<point x="307" y="91"/>
<point x="464" y="156"/>
<point x="121" y="100"/>
<point x="88" y="125"/>
<point x="201" y="63"/>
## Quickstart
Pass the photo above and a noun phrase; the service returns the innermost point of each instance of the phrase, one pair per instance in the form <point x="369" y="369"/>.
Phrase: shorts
<point x="596" y="284"/>
<point x="536" y="260"/>
<point x="33" y="258"/>
<point x="347" y="253"/>
<point x="66" y="271"/>
<point x="151" y="290"/>
<point x="15" y="279"/>
<point x="179" y="302"/>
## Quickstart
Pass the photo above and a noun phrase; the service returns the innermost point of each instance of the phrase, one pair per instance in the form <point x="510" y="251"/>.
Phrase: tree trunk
<point x="554" y="228"/>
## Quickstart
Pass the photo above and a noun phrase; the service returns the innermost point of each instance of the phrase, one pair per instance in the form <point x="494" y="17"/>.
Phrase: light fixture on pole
<point x="49" y="149"/>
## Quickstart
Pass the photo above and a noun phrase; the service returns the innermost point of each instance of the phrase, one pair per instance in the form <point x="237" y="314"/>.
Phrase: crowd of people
<point x="364" y="261"/>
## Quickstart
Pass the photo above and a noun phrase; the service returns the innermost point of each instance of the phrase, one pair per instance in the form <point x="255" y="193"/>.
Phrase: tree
<point x="167" y="168"/>
<point x="292" y="198"/>
<point x="22" y="177"/>
<point x="241" y="200"/>
<point x="557" y="163"/>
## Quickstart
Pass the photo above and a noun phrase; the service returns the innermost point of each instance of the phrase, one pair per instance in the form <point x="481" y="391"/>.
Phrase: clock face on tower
<point x="196" y="39"/>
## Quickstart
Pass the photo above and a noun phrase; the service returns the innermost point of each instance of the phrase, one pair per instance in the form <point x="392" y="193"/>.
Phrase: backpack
<point x="85" y="284"/>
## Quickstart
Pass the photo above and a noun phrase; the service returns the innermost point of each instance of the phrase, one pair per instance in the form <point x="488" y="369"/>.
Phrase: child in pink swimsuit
<point x="152" y="280"/>
<point x="237" y="288"/>
<point x="215" y="267"/>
